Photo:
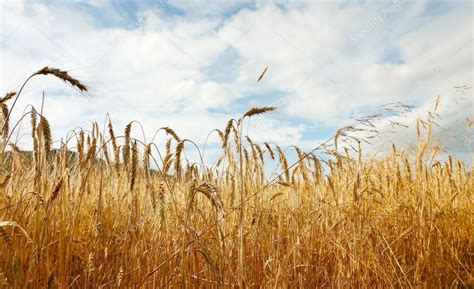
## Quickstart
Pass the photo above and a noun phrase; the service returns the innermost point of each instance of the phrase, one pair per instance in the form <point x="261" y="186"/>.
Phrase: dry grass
<point x="87" y="220"/>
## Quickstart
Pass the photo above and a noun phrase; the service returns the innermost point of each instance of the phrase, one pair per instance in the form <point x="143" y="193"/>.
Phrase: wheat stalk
<point x="61" y="74"/>
<point x="177" y="159"/>
<point x="171" y="132"/>
<point x="46" y="134"/>
<point x="126" y="145"/>
<point x="115" y="147"/>
<point x="134" y="165"/>
<point x="257" y="111"/>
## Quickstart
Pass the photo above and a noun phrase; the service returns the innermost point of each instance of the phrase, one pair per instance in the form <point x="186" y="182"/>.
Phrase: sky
<point x="192" y="65"/>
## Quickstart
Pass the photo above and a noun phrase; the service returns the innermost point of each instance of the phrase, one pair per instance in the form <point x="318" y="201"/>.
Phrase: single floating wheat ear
<point x="262" y="74"/>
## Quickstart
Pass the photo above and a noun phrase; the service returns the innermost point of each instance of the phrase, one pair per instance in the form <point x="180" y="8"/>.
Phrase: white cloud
<point x="173" y="70"/>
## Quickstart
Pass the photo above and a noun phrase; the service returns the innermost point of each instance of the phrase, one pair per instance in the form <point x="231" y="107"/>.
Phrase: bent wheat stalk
<point x="44" y="71"/>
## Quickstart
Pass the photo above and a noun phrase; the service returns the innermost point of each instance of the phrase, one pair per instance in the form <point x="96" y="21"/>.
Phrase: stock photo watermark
<point x="376" y="21"/>
<point x="128" y="234"/>
<point x="157" y="7"/>
<point x="162" y="4"/>
<point x="468" y="140"/>
<point x="263" y="122"/>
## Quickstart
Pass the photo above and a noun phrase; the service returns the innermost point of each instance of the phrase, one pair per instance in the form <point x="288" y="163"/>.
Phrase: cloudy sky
<point x="192" y="65"/>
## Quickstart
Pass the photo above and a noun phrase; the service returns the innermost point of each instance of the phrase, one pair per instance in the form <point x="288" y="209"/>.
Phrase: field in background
<point x="105" y="210"/>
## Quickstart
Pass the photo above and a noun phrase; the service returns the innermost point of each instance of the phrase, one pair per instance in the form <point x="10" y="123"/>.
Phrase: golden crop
<point x="105" y="210"/>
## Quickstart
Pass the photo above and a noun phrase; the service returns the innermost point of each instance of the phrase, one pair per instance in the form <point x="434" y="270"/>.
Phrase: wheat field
<point x="102" y="209"/>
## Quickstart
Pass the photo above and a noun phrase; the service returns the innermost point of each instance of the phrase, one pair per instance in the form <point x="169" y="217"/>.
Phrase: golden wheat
<point x="70" y="219"/>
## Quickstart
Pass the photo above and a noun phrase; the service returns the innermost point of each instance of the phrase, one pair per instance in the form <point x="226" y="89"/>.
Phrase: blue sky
<point x="192" y="65"/>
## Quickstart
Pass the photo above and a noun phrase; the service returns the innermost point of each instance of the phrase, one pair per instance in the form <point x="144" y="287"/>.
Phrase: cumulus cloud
<point x="194" y="65"/>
